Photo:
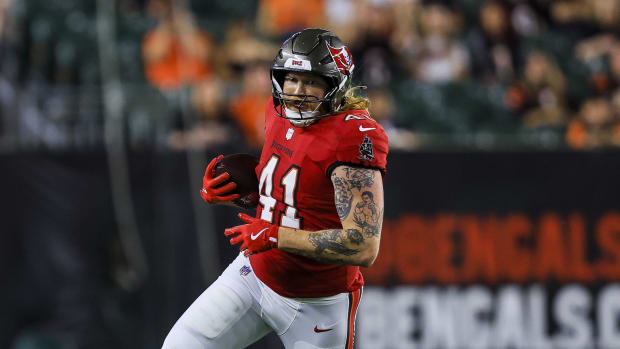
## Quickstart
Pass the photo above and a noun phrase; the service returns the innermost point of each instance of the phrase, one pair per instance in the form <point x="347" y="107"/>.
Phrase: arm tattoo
<point x="324" y="259"/>
<point x="355" y="236"/>
<point x="343" y="187"/>
<point x="366" y="215"/>
<point x="331" y="246"/>
<point x="360" y="177"/>
<point x="331" y="240"/>
<point x="343" y="197"/>
<point x="334" y="245"/>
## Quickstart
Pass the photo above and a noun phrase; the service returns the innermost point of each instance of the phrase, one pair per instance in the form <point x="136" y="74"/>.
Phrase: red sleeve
<point x="364" y="145"/>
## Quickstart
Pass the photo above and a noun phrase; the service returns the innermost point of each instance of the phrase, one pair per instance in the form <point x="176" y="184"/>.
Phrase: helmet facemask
<point x="294" y="106"/>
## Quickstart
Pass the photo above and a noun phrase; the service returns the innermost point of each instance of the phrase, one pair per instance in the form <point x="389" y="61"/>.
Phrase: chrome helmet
<point x="316" y="51"/>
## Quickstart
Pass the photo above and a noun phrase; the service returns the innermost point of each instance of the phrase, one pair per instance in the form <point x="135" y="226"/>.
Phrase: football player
<point x="319" y="215"/>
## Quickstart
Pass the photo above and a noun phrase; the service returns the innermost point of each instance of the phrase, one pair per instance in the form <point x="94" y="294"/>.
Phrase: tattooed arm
<point x="358" y="193"/>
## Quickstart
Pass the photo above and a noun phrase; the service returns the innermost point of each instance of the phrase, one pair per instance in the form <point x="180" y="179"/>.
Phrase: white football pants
<point x="238" y="309"/>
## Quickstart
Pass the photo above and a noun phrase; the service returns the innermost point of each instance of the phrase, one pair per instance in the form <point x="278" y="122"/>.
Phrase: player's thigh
<point x="324" y="324"/>
<point x="220" y="318"/>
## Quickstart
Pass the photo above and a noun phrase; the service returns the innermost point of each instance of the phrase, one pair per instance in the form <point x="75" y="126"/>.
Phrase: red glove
<point x="256" y="236"/>
<point x="211" y="192"/>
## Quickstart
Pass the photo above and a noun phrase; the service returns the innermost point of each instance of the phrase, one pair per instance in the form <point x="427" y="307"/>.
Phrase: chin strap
<point x="304" y="115"/>
<point x="302" y="119"/>
<point x="302" y="123"/>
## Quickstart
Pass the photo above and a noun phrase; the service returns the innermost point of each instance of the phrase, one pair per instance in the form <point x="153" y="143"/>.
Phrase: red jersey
<point x="296" y="191"/>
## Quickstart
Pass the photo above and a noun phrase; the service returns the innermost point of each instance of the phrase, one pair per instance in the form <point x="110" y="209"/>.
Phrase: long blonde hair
<point x="353" y="101"/>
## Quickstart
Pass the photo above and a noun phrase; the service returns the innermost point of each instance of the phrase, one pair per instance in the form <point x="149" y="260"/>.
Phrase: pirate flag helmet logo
<point x="343" y="59"/>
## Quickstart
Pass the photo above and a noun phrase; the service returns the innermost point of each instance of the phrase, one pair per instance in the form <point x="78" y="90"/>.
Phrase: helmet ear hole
<point x="278" y="77"/>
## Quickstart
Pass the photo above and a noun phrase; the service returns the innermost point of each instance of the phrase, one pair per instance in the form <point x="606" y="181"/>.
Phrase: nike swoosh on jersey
<point x="253" y="237"/>
<point x="364" y="129"/>
<point x="319" y="330"/>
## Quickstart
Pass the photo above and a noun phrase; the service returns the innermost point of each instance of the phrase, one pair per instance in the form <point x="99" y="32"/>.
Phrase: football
<point x="241" y="168"/>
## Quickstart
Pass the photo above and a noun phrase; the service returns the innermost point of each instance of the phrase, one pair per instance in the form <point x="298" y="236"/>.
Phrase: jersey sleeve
<point x="363" y="144"/>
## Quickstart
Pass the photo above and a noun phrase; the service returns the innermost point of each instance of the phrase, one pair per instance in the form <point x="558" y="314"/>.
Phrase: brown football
<point x="241" y="168"/>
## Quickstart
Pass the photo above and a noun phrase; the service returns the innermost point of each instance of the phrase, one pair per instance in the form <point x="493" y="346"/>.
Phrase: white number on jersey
<point x="289" y="183"/>
<point x="265" y="188"/>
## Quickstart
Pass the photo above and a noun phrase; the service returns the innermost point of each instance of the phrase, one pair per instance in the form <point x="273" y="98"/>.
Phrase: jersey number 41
<point x="289" y="184"/>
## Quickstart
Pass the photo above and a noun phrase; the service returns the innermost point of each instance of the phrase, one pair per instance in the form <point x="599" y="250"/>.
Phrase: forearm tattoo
<point x="326" y="259"/>
<point x="331" y="240"/>
<point x="332" y="246"/>
<point x="357" y="178"/>
<point x="355" y="236"/>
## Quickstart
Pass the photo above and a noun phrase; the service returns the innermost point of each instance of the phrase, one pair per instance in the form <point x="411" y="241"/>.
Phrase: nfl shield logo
<point x="245" y="270"/>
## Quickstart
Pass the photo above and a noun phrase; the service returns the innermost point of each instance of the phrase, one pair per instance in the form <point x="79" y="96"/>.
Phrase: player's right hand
<point x="212" y="189"/>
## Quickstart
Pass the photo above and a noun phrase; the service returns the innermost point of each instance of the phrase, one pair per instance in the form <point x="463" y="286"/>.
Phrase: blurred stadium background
<point x="502" y="224"/>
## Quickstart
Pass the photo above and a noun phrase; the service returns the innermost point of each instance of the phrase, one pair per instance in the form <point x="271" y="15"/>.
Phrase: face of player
<point x="296" y="83"/>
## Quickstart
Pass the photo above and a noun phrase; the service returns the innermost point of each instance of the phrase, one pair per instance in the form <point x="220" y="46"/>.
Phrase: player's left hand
<point x="256" y="236"/>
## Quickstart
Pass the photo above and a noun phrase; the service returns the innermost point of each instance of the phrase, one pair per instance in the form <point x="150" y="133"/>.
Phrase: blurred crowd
<point x="432" y="67"/>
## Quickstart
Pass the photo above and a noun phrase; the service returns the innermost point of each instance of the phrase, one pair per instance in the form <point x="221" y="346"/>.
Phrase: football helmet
<point x="316" y="51"/>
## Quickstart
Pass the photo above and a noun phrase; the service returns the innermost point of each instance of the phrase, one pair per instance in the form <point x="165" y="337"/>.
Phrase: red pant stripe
<point x="354" y="301"/>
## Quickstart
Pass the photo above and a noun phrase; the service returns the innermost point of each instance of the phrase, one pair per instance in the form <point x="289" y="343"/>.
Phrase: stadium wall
<point x="479" y="250"/>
